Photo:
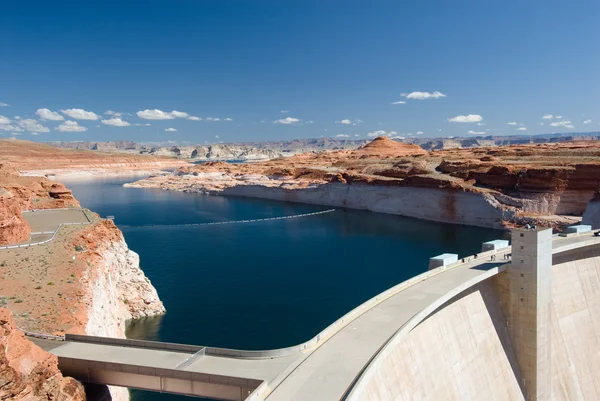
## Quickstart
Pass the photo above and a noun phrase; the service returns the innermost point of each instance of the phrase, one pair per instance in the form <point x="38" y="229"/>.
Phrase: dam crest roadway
<point x="346" y="359"/>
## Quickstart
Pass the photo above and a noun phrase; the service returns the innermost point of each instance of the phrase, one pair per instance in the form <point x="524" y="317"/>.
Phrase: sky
<point x="203" y="71"/>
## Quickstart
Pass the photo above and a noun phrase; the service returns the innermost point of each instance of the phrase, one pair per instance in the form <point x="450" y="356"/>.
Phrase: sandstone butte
<point x="85" y="281"/>
<point x="544" y="184"/>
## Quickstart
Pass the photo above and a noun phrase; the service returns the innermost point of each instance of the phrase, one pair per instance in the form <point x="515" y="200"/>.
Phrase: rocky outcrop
<point x="117" y="289"/>
<point x="592" y="212"/>
<point x="59" y="191"/>
<point x="29" y="373"/>
<point x="217" y="152"/>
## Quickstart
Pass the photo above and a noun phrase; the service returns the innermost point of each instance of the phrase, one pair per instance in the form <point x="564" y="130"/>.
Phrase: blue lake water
<point x="266" y="284"/>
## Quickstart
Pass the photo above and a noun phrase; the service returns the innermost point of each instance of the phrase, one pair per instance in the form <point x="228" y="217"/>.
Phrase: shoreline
<point x="450" y="206"/>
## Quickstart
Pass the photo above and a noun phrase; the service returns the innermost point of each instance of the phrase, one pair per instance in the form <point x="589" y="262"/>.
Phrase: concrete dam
<point x="510" y="323"/>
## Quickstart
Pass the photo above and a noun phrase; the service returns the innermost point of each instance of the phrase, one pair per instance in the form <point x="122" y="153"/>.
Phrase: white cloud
<point x="116" y="122"/>
<point x="217" y="136"/>
<point x="194" y="118"/>
<point x="342" y="136"/>
<point x="4" y="120"/>
<point x="170" y="130"/>
<point x="480" y="124"/>
<point x="155" y="115"/>
<point x="284" y="111"/>
<point x="547" y="116"/>
<point x="542" y="124"/>
<point x="80" y="114"/>
<point x="476" y="132"/>
<point x="425" y="95"/>
<point x="179" y="114"/>
<point x="32" y="133"/>
<point x="471" y="118"/>
<point x="563" y="123"/>
<point x="114" y="113"/>
<point x="419" y="132"/>
<point x="511" y="123"/>
<point x="9" y="127"/>
<point x="521" y="129"/>
<point x="344" y="121"/>
<point x="399" y="102"/>
<point x="16" y="133"/>
<point x="587" y="122"/>
<point x="70" y="126"/>
<point x="391" y="134"/>
<point x="558" y="116"/>
<point x="32" y="126"/>
<point x="287" y="120"/>
<point x="213" y="119"/>
<point x="17" y="117"/>
<point x="142" y="125"/>
<point x="228" y="119"/>
<point x="46" y="114"/>
<point x="2" y="104"/>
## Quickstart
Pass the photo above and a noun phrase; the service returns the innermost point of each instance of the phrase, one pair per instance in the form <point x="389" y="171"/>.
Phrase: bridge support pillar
<point x="529" y="314"/>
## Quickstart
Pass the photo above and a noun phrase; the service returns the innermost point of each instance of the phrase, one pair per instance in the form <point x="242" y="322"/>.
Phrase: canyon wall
<point x="116" y="288"/>
<point x="441" y="205"/>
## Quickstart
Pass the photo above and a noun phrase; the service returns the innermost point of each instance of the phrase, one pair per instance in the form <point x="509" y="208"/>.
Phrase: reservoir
<point x="265" y="284"/>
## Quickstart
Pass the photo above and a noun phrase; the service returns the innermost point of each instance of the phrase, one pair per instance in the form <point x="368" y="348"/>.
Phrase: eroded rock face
<point x="29" y="373"/>
<point x="59" y="191"/>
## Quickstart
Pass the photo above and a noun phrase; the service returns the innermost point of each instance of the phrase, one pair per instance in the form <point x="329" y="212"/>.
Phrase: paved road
<point x="43" y="223"/>
<point x="48" y="220"/>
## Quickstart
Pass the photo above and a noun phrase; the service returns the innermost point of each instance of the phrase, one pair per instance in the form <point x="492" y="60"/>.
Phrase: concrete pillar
<point x="529" y="318"/>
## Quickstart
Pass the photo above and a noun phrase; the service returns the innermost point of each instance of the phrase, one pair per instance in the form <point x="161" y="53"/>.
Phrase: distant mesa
<point x="384" y="146"/>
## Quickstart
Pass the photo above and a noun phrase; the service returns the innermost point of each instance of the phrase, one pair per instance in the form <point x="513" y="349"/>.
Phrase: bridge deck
<point x="259" y="369"/>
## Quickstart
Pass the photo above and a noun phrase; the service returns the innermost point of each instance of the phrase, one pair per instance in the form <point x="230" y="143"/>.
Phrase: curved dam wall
<point x="463" y="350"/>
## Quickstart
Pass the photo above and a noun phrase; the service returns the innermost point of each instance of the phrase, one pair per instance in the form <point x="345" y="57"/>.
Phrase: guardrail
<point x="47" y="232"/>
<point x="42" y="335"/>
<point x="125" y="342"/>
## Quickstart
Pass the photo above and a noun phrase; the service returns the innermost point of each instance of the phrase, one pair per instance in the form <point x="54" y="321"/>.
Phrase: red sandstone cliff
<point x="29" y="373"/>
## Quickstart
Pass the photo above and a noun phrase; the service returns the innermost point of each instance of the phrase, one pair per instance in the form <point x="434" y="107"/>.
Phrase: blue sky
<point x="296" y="69"/>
